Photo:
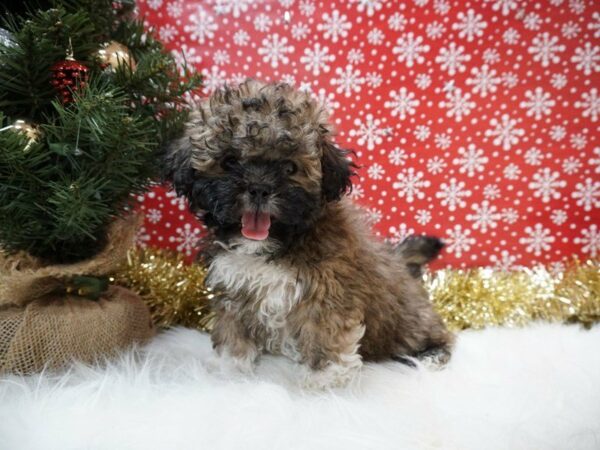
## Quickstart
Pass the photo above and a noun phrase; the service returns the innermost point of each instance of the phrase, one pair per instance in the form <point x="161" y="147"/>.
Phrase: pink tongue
<point x="256" y="225"/>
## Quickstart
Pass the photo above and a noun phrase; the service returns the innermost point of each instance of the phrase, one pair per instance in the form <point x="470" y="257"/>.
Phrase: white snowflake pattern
<point x="484" y="216"/>
<point x="375" y="36"/>
<point x="483" y="80"/>
<point x="369" y="131"/>
<point x="589" y="240"/>
<point x="558" y="216"/>
<point x="505" y="262"/>
<point x="596" y="161"/>
<point x="590" y="103"/>
<point x="335" y="25"/>
<point x="587" y="58"/>
<point x="410" y="48"/>
<point x="458" y="104"/>
<point x="546" y="184"/>
<point x="397" y="21"/>
<point x="153" y="215"/>
<point x="317" y="59"/>
<point x="534" y="156"/>
<point x="399" y="234"/>
<point x="442" y="140"/>
<point x="397" y="156"/>
<point x="504" y="6"/>
<point x="348" y="81"/>
<point x="505" y="133"/>
<point x="545" y="48"/>
<point x="459" y="240"/>
<point x="202" y="26"/>
<point x="436" y="165"/>
<point x="274" y="50"/>
<point x="571" y="165"/>
<point x="452" y="58"/>
<point x="471" y="25"/>
<point x="376" y="171"/>
<point x="538" y="103"/>
<point x="402" y="103"/>
<point x="263" y="23"/>
<point x="370" y="6"/>
<point x="186" y="238"/>
<point x="233" y="7"/>
<point x="595" y="25"/>
<point x="587" y="194"/>
<point x="472" y="160"/>
<point x="410" y="184"/>
<point x="423" y="217"/>
<point x="452" y="194"/>
<point x="538" y="239"/>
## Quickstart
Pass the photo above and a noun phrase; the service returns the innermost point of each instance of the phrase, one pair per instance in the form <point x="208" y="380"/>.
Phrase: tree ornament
<point x="68" y="76"/>
<point x="31" y="131"/>
<point x="114" y="55"/>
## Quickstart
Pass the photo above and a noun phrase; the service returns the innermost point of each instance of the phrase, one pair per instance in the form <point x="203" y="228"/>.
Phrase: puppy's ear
<point x="337" y="171"/>
<point x="178" y="166"/>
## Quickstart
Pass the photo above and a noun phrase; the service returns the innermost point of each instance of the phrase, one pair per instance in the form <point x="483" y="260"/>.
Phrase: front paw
<point x="334" y="375"/>
<point x="225" y="363"/>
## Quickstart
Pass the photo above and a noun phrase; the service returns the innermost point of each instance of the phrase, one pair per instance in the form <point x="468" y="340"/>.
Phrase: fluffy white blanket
<point x="534" y="388"/>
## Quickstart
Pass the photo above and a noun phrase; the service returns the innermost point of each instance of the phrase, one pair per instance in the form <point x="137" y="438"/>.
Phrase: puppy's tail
<point x="418" y="251"/>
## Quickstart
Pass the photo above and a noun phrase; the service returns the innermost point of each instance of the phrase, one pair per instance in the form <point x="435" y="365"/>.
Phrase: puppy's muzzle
<point x="259" y="193"/>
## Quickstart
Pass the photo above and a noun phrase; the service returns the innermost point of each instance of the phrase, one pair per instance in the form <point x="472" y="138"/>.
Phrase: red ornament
<point x="68" y="76"/>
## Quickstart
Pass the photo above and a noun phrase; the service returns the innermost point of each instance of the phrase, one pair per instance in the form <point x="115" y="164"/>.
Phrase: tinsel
<point x="475" y="298"/>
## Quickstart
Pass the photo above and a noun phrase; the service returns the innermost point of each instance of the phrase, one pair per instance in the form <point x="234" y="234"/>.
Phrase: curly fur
<point x="319" y="288"/>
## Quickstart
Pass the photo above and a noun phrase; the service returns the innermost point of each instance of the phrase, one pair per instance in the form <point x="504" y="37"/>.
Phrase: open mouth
<point x="255" y="225"/>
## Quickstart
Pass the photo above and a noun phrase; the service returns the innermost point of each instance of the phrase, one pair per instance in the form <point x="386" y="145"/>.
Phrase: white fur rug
<point x="534" y="388"/>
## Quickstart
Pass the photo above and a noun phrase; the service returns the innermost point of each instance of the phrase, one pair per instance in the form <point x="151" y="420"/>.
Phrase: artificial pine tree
<point x="87" y="99"/>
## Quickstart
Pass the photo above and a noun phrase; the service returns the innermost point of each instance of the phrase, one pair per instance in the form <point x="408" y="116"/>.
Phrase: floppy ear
<point x="178" y="166"/>
<point x="336" y="170"/>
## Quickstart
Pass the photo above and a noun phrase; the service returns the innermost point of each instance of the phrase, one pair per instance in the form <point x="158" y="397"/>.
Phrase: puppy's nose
<point x="259" y="192"/>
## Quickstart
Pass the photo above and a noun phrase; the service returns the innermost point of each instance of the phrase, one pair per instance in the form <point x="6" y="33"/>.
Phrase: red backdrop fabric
<point x="476" y="121"/>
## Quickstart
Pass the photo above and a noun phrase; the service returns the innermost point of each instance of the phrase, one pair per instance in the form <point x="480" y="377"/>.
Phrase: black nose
<point x="259" y="191"/>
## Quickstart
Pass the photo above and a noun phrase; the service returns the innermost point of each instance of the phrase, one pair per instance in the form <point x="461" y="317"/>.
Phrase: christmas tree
<point x="87" y="99"/>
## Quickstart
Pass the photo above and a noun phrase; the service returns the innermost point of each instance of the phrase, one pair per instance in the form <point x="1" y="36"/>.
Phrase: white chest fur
<point x="275" y="287"/>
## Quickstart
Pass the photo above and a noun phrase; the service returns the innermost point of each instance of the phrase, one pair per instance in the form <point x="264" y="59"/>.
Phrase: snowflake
<point x="587" y="58"/>
<point x="307" y="8"/>
<point x="577" y="6"/>
<point x="185" y="58"/>
<point x="532" y="21"/>
<point x="534" y="156"/>
<point x="355" y="56"/>
<point x="373" y="79"/>
<point x="376" y="171"/>
<point x="214" y="79"/>
<point x="316" y="60"/>
<point x="154" y="215"/>
<point x="442" y="141"/>
<point x="397" y="156"/>
<point x="154" y="4"/>
<point x="557" y="133"/>
<point x="369" y="131"/>
<point x="167" y="33"/>
<point x="470" y="25"/>
<point x="239" y="78"/>
<point x="299" y="31"/>
<point x="538" y="239"/>
<point x="422" y="132"/>
<point x="558" y="217"/>
<point x="202" y="26"/>
<point x="538" y="103"/>
<point x="505" y="134"/>
<point x="335" y="26"/>
<point x="409" y="49"/>
<point x="348" y="80"/>
<point x="262" y="22"/>
<point x="472" y="160"/>
<point x="491" y="56"/>
<point x="570" y="30"/>
<point x="578" y="141"/>
<point x="511" y="172"/>
<point x="187" y="238"/>
<point x="558" y="81"/>
<point x="452" y="58"/>
<point x="571" y="165"/>
<point x="221" y="57"/>
<point x="544" y="48"/>
<point x="235" y="7"/>
<point x="435" y="30"/>
<point x="590" y="240"/>
<point x="511" y="36"/>
<point x="373" y="216"/>
<point x="436" y="165"/>
<point x="458" y="104"/>
<point x="410" y="183"/>
<point x="505" y="262"/>
<point x="423" y="81"/>
<point x="441" y="6"/>
<point x="241" y="38"/>
<point x="509" y="79"/>
<point x="546" y="183"/>
<point x="459" y="240"/>
<point x="483" y="80"/>
<point x="274" y="50"/>
<point x="587" y="194"/>
<point x="485" y="216"/>
<point x="370" y="6"/>
<point x="397" y="21"/>
<point x="423" y="216"/>
<point x="398" y="235"/>
<point x="590" y="103"/>
<point x="402" y="103"/>
<point x="504" y="6"/>
<point x="175" y="9"/>
<point x="509" y="215"/>
<point x="375" y="36"/>
<point x="452" y="194"/>
<point x="595" y="26"/>
<point x="357" y="192"/>
<point x="596" y="161"/>
<point x="142" y="237"/>
<point x="327" y="100"/>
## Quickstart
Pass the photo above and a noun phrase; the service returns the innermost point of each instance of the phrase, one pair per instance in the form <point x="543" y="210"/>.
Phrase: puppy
<point x="297" y="271"/>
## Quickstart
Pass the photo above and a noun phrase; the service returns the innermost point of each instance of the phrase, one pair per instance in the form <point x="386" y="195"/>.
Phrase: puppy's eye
<point x="290" y="168"/>
<point x="229" y="162"/>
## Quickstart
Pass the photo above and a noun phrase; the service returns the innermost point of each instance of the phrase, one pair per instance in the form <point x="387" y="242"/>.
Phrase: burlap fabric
<point x="40" y="328"/>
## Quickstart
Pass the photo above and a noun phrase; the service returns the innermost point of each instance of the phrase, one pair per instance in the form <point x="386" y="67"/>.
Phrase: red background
<point x="533" y="199"/>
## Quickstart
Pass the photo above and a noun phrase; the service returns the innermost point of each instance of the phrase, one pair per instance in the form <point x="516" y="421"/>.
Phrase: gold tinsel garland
<point x="475" y="298"/>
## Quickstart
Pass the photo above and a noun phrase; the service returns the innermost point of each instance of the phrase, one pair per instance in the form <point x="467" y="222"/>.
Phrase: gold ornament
<point x="115" y="54"/>
<point x="475" y="298"/>
<point x="173" y="289"/>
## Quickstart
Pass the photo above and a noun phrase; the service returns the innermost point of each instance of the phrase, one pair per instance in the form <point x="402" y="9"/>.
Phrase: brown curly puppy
<point x="299" y="272"/>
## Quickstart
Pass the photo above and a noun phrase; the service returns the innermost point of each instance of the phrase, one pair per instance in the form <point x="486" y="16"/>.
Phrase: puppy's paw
<point x="225" y="363"/>
<point x="334" y="375"/>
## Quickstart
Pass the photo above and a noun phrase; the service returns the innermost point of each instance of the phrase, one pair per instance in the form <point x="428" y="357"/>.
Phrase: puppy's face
<point x="257" y="161"/>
